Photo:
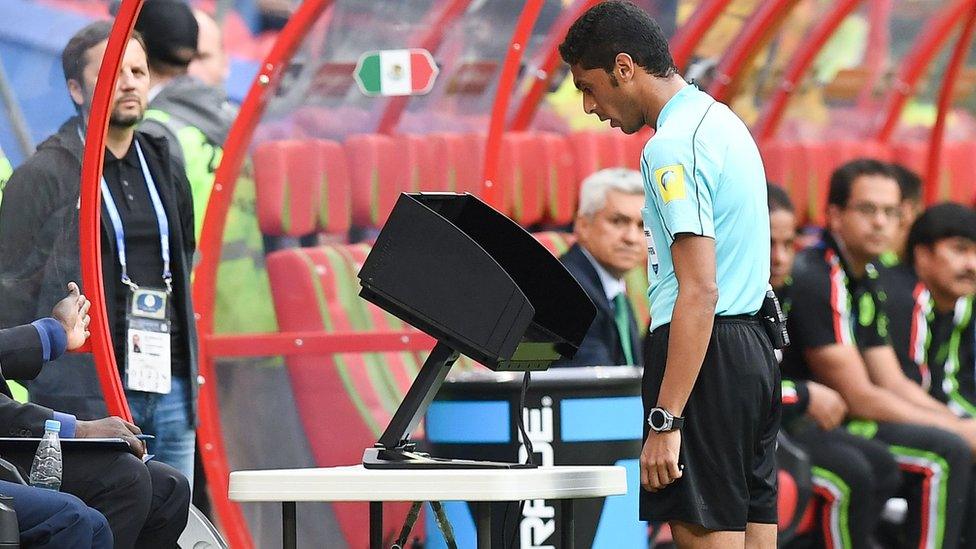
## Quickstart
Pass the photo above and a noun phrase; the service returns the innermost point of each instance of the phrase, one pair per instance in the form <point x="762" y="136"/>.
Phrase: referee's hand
<point x="659" y="460"/>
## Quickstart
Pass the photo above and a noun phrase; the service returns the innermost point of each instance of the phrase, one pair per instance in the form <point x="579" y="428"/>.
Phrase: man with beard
<point x="147" y="243"/>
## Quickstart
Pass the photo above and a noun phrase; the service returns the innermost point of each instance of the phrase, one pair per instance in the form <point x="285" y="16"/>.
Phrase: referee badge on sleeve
<point x="670" y="182"/>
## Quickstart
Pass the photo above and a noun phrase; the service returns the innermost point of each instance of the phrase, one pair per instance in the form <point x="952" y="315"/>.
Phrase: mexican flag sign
<point x="396" y="72"/>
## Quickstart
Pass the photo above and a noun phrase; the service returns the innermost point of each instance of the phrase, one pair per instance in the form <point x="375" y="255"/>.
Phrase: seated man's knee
<point x="168" y="483"/>
<point x="130" y="473"/>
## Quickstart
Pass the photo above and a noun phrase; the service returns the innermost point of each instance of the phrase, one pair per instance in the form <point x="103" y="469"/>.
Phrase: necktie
<point x="621" y="316"/>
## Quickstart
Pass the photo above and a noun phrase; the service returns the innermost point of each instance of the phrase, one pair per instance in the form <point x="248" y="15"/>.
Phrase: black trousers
<point x="146" y="504"/>
<point x="936" y="469"/>
<point x="854" y="477"/>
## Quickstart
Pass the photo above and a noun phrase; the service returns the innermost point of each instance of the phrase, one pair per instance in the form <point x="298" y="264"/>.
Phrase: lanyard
<point x="161" y="221"/>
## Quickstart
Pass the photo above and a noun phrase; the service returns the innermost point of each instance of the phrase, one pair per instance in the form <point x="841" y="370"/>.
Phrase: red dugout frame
<point x="769" y="15"/>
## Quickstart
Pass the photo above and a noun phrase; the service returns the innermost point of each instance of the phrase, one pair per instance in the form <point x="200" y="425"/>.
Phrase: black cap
<point x="170" y="31"/>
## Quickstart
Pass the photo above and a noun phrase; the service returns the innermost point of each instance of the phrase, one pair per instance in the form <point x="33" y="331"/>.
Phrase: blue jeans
<point x="168" y="418"/>
<point x="49" y="519"/>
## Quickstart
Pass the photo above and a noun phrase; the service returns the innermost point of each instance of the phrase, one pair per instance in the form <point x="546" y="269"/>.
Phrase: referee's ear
<point x="624" y="67"/>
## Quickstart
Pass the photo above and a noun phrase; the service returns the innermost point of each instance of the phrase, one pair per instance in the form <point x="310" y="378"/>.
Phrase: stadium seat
<point x="559" y="178"/>
<point x="344" y="400"/>
<point x="520" y="174"/>
<point x="374" y="163"/>
<point x="958" y="181"/>
<point x="419" y="172"/>
<point x="302" y="187"/>
<point x="335" y="205"/>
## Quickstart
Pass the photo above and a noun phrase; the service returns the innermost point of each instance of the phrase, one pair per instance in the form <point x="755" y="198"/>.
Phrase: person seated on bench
<point x="146" y="504"/>
<point x="610" y="242"/>
<point x="55" y="520"/>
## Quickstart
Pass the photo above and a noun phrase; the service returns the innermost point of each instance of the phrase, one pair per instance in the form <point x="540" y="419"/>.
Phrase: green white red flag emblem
<point x="396" y="72"/>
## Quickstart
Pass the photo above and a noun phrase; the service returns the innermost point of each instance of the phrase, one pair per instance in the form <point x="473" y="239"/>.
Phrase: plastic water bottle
<point x="46" y="469"/>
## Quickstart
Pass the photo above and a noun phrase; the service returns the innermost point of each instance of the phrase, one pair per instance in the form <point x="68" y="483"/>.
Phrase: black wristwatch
<point x="663" y="421"/>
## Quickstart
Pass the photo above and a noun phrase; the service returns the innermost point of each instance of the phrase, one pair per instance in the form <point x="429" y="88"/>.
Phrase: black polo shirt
<point x="952" y="357"/>
<point x="144" y="262"/>
<point x="907" y="306"/>
<point x="829" y="306"/>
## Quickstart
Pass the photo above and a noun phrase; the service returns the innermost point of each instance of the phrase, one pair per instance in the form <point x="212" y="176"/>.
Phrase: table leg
<point x="289" y="526"/>
<point x="375" y="525"/>
<point x="483" y="519"/>
<point x="568" y="526"/>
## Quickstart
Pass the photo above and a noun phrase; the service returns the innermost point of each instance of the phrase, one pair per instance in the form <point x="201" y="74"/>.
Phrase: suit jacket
<point x="601" y="346"/>
<point x="21" y="357"/>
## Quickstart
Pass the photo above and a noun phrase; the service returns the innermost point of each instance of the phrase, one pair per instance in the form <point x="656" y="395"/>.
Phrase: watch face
<point x="658" y="419"/>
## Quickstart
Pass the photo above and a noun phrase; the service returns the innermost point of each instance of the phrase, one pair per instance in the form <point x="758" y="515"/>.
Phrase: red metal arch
<point x="89" y="224"/>
<point x="807" y="52"/>
<point x="879" y="45"/>
<point x="430" y="40"/>
<point x="682" y="45"/>
<point x="945" y="104"/>
<point x="506" y="84"/>
<point x="214" y="457"/>
<point x="926" y="47"/>
<point x="686" y="38"/>
<point x="549" y="54"/>
<point x="761" y="26"/>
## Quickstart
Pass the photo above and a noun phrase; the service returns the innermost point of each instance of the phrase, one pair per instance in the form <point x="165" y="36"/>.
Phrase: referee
<point x="711" y="385"/>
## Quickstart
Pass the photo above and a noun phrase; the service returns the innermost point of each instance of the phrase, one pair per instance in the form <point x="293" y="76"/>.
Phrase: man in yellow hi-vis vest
<point x="197" y="117"/>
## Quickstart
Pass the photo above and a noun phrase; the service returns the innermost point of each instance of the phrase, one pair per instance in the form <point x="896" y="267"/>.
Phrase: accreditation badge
<point x="653" y="262"/>
<point x="147" y="366"/>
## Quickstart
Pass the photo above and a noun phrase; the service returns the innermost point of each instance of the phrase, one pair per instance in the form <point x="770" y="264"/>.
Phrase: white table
<point x="356" y="483"/>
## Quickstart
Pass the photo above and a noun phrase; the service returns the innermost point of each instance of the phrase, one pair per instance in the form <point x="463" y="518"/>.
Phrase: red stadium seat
<point x="560" y="179"/>
<point x="344" y="400"/>
<point x="586" y="149"/>
<point x="556" y="242"/>
<point x="814" y="166"/>
<point x="445" y="148"/>
<point x="335" y="208"/>
<point x="419" y="172"/>
<point x="470" y="164"/>
<point x="270" y="181"/>
<point x="302" y="187"/>
<point x="520" y="174"/>
<point x="958" y="172"/>
<point x="373" y="167"/>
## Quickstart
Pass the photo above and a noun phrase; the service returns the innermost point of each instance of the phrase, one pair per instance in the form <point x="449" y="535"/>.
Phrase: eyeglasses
<point x="870" y="210"/>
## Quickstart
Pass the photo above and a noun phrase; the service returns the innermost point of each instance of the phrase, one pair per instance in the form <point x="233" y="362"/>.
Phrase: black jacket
<point x="601" y="346"/>
<point x="39" y="256"/>
<point x="20" y="358"/>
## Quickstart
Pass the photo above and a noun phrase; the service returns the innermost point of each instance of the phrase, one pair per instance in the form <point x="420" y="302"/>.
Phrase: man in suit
<point x="609" y="243"/>
<point x="145" y="504"/>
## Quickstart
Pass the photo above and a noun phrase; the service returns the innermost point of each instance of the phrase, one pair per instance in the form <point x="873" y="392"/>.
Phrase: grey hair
<point x="593" y="191"/>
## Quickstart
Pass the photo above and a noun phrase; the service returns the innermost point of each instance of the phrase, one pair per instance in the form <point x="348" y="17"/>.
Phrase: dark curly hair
<point x="615" y="27"/>
<point x="946" y="220"/>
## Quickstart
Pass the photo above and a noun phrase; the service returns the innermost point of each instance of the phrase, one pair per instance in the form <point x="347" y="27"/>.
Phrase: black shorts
<point x="728" y="442"/>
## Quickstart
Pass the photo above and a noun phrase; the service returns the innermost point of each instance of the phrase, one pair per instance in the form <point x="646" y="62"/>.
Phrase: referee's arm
<point x="693" y="257"/>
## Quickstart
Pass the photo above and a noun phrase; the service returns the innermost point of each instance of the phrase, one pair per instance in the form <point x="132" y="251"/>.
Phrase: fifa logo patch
<point x="671" y="182"/>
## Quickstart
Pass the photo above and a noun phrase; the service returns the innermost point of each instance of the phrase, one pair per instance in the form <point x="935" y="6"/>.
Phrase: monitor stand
<point x="394" y="450"/>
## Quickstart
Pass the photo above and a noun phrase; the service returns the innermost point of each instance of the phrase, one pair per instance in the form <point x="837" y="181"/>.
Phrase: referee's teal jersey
<point x="703" y="176"/>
